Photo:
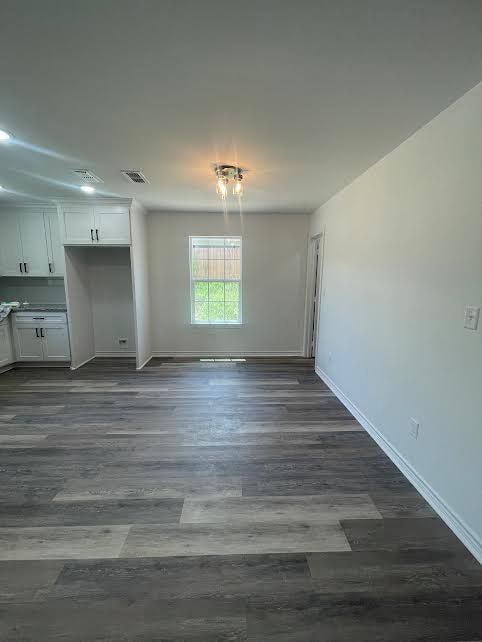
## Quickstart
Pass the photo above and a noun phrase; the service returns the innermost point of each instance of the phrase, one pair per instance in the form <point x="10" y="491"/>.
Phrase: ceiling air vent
<point x="87" y="176"/>
<point x="134" y="176"/>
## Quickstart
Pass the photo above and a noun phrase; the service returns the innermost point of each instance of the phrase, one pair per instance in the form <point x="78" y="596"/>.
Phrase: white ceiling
<point x="306" y="94"/>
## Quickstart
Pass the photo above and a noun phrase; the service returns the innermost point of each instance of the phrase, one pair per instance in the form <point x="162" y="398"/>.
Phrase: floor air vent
<point x="225" y="359"/>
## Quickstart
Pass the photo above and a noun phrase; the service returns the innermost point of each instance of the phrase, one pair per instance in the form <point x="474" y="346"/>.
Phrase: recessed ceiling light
<point x="88" y="189"/>
<point x="1" y="187"/>
<point x="4" y="136"/>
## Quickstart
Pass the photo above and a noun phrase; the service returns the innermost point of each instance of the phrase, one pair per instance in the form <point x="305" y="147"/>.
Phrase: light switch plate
<point x="414" y="428"/>
<point x="472" y="314"/>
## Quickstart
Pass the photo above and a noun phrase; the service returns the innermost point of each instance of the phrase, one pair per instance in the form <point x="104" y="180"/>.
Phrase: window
<point x="215" y="279"/>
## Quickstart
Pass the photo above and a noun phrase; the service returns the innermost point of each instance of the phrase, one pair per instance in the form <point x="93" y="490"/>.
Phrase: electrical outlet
<point x="123" y="341"/>
<point x="414" y="428"/>
<point x="471" y="320"/>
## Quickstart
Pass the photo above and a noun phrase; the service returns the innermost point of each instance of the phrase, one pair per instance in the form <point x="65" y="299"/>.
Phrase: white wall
<point x="111" y="298"/>
<point x="274" y="267"/>
<point x="140" y="284"/>
<point x="34" y="290"/>
<point x="79" y="306"/>
<point x="403" y="257"/>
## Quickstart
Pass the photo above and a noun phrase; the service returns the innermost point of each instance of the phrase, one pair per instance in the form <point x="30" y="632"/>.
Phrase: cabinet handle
<point x="38" y="318"/>
<point x="36" y="333"/>
<point x="42" y="333"/>
<point x="97" y="234"/>
<point x="25" y="265"/>
<point x="91" y="234"/>
<point x="50" y="268"/>
<point x="21" y="271"/>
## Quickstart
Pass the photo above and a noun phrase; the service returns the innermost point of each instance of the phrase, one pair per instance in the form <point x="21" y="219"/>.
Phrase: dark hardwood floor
<point x="213" y="501"/>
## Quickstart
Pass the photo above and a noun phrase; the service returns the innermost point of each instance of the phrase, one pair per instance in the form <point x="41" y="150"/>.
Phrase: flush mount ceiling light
<point x="226" y="175"/>
<point x="4" y="136"/>
<point x="88" y="189"/>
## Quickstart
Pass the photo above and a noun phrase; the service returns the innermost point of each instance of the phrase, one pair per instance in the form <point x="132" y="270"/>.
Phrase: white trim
<point x="199" y="324"/>
<point x="143" y="364"/>
<point x="83" y="363"/>
<point x="92" y="201"/>
<point x="192" y="281"/>
<point x="117" y="353"/>
<point x="30" y="205"/>
<point x="226" y="353"/>
<point x="466" y="535"/>
<point x="310" y="286"/>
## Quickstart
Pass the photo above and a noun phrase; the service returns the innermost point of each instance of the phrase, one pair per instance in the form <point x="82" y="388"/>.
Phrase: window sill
<point x="216" y="325"/>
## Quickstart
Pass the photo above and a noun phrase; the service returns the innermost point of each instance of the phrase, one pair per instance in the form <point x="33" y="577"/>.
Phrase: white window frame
<point x="224" y="323"/>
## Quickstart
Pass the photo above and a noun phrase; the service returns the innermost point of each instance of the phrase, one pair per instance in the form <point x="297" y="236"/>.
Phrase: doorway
<point x="313" y="294"/>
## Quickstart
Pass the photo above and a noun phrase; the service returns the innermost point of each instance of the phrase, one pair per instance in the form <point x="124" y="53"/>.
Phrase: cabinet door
<point x="56" y="345"/>
<point x="112" y="226"/>
<point x="34" y="243"/>
<point x="78" y="225"/>
<point x="54" y="246"/>
<point x="6" y="352"/>
<point x="28" y="343"/>
<point x="11" y="258"/>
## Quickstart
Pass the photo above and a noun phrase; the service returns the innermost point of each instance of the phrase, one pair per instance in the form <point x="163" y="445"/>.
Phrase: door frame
<point x="310" y="289"/>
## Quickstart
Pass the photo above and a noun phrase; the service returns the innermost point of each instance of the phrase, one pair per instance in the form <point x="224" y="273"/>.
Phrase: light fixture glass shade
<point x="238" y="187"/>
<point x="222" y="187"/>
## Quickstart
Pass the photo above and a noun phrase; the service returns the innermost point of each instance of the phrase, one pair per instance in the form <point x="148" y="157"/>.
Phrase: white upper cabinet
<point x="34" y="244"/>
<point x="112" y="226"/>
<point x="30" y="243"/>
<point x="78" y="225"/>
<point x="54" y="245"/>
<point x="95" y="225"/>
<point x="11" y="257"/>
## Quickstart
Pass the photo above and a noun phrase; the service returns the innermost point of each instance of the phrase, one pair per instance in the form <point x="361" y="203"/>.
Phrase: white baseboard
<point x="124" y="353"/>
<point x="466" y="535"/>
<point x="226" y="353"/>
<point x="83" y="363"/>
<point x="144" y="362"/>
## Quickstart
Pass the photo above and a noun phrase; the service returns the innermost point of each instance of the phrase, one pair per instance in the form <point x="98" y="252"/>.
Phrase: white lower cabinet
<point x="41" y="337"/>
<point x="55" y="343"/>
<point x="28" y="344"/>
<point x="6" y="350"/>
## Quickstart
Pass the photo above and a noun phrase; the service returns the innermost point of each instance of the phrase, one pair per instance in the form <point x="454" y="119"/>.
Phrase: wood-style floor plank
<point x="61" y="542"/>
<point x="223" y="539"/>
<point x="208" y="501"/>
<point x="324" y="509"/>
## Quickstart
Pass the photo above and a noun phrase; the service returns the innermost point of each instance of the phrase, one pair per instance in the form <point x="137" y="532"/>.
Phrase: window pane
<point x="216" y="253"/>
<point x="232" y="291"/>
<point x="200" y="269"/>
<point x="216" y="311"/>
<point x="216" y="291"/>
<point x="216" y="279"/>
<point x="233" y="270"/>
<point x="232" y="310"/>
<point x="233" y="253"/>
<point x="216" y="269"/>
<point x="199" y="252"/>
<point x="201" y="291"/>
<point x="201" y="311"/>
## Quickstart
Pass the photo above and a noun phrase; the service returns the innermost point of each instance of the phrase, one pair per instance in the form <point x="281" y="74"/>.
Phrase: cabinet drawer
<point x="39" y="318"/>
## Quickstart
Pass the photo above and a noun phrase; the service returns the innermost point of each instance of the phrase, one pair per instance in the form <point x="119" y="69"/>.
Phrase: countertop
<point x="41" y="307"/>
